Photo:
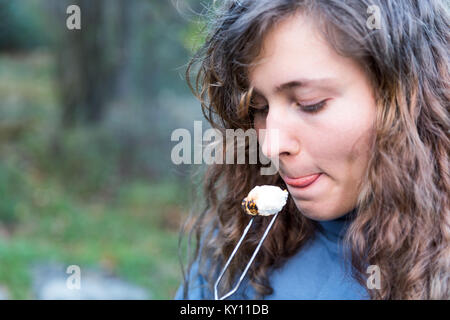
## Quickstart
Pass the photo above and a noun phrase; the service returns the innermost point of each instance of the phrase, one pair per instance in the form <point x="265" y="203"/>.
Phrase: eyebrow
<point x="325" y="82"/>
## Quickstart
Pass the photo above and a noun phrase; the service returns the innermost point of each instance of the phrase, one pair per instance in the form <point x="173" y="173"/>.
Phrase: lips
<point x="301" y="182"/>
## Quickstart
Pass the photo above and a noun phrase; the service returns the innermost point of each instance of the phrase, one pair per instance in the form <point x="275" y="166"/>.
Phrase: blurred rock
<point x="4" y="293"/>
<point x="50" y="283"/>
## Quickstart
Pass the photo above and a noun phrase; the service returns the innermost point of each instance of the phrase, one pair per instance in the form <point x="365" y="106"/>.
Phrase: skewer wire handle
<point x="216" y="295"/>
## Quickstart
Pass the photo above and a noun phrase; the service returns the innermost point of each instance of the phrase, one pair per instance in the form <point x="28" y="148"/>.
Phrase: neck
<point x="335" y="229"/>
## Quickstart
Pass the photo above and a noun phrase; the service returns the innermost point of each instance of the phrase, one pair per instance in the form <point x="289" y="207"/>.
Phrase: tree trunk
<point x="91" y="61"/>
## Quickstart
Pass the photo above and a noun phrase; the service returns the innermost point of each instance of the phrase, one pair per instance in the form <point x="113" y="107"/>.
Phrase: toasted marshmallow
<point x="265" y="200"/>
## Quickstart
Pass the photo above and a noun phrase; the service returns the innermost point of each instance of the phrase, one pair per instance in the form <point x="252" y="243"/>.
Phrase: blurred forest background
<point x="85" y="121"/>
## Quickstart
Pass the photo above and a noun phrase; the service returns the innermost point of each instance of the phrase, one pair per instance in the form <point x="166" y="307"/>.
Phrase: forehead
<point x="291" y="50"/>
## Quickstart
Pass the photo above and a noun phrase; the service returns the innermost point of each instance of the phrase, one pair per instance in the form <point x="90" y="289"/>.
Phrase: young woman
<point x="358" y="92"/>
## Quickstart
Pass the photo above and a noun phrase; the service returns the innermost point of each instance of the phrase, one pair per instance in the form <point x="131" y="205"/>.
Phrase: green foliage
<point x="20" y="25"/>
<point x="13" y="191"/>
<point x="15" y="257"/>
<point x="85" y="157"/>
<point x="127" y="239"/>
<point x="193" y="36"/>
<point x="92" y="195"/>
<point x="67" y="195"/>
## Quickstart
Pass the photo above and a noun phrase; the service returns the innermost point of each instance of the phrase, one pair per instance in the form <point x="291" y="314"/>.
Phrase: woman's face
<point x="332" y="140"/>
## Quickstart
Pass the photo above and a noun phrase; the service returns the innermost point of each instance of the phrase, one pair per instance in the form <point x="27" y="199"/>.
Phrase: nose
<point x="279" y="138"/>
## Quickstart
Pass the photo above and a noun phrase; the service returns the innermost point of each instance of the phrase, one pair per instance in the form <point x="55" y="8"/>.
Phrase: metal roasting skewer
<point x="216" y="295"/>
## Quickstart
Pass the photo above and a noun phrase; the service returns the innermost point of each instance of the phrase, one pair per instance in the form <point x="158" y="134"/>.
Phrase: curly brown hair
<point x="402" y="222"/>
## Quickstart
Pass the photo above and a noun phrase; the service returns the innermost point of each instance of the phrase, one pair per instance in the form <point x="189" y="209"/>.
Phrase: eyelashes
<point x="309" y="108"/>
<point x="313" y="108"/>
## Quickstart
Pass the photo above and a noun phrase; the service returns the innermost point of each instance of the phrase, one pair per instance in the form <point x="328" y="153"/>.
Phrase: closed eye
<point x="310" y="108"/>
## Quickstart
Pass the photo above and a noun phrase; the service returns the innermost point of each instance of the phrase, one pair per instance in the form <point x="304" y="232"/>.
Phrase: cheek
<point x="345" y="135"/>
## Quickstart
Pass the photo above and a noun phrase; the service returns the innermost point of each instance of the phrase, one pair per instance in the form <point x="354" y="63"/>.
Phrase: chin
<point x="317" y="213"/>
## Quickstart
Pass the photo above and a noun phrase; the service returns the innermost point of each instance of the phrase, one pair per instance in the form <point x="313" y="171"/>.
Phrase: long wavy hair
<point x="402" y="222"/>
